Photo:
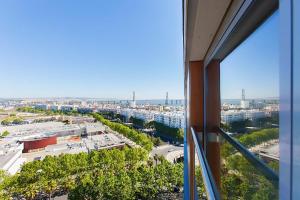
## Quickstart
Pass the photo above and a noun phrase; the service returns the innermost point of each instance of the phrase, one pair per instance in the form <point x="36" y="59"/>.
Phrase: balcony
<point x="212" y="30"/>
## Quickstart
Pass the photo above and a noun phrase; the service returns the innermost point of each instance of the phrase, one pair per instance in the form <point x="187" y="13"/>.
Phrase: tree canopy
<point x="104" y="174"/>
<point x="138" y="137"/>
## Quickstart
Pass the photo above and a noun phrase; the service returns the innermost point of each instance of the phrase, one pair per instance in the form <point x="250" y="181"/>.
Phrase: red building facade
<point x="38" y="143"/>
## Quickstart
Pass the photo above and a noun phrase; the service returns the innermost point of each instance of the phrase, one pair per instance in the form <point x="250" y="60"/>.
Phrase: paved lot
<point x="165" y="149"/>
<point x="170" y="152"/>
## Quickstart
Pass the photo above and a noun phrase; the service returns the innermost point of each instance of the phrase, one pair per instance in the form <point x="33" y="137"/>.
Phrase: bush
<point x="138" y="137"/>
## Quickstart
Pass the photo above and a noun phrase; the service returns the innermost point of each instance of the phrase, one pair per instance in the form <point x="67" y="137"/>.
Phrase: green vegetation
<point x="104" y="174"/>
<point x="4" y="134"/>
<point x="47" y="112"/>
<point x="12" y="120"/>
<point x="240" y="180"/>
<point x="129" y="174"/>
<point x="252" y="139"/>
<point x="138" y="137"/>
<point x="137" y="122"/>
<point x="176" y="134"/>
<point x="156" y="141"/>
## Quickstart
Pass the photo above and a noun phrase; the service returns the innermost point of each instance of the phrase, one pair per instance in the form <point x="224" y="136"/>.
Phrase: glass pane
<point x="199" y="180"/>
<point x="250" y="113"/>
<point x="240" y="179"/>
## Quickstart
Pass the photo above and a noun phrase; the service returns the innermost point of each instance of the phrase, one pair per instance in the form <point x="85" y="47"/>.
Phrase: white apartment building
<point x="235" y="115"/>
<point x="144" y="115"/>
<point x="172" y="119"/>
<point x="231" y="116"/>
<point x="254" y="114"/>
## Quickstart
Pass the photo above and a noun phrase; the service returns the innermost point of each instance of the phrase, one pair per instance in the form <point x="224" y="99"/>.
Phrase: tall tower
<point x="133" y="96"/>
<point x="243" y="95"/>
<point x="133" y="104"/>
<point x="167" y="98"/>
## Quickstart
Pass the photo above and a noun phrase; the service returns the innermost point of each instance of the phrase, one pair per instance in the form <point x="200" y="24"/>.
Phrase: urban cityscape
<point x="33" y="129"/>
<point x="145" y="100"/>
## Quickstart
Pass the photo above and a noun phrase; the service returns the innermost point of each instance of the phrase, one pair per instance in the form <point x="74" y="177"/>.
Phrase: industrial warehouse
<point x="29" y="142"/>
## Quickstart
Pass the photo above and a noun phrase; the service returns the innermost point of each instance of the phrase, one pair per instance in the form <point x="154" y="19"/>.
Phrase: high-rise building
<point x="133" y="103"/>
<point x="167" y="99"/>
<point x="244" y="104"/>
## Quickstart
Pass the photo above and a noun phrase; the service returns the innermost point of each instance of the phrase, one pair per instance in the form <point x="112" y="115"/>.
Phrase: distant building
<point x="67" y="108"/>
<point x="174" y="120"/>
<point x="54" y="107"/>
<point x="245" y="104"/>
<point x="38" y="143"/>
<point x="239" y="115"/>
<point x="84" y="110"/>
<point x="133" y="103"/>
<point x="41" y="106"/>
<point x="231" y="116"/>
<point x="254" y="114"/>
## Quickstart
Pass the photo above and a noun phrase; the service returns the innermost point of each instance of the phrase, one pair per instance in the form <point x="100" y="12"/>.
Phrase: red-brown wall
<point x="38" y="143"/>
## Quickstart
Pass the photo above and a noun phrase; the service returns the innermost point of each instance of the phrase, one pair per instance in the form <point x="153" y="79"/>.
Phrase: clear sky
<point x="254" y="65"/>
<point x="94" y="48"/>
<point x="107" y="49"/>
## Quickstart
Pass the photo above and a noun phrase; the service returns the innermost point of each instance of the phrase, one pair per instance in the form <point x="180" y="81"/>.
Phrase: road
<point x="169" y="151"/>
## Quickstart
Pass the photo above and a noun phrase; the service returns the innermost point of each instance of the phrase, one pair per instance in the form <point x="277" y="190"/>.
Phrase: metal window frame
<point x="249" y="17"/>
<point x="209" y="182"/>
<point x="255" y="161"/>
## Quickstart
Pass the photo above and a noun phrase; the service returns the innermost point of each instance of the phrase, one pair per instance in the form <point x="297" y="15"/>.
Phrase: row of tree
<point x="104" y="174"/>
<point x="12" y="120"/>
<point x="132" y="134"/>
<point x="162" y="130"/>
<point x="240" y="179"/>
<point x="250" y="140"/>
<point x="137" y="122"/>
<point x="175" y="134"/>
<point x="47" y="112"/>
<point x="4" y="134"/>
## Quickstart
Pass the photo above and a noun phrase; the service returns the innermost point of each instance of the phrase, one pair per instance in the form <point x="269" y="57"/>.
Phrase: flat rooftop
<point x="45" y="129"/>
<point x="95" y="142"/>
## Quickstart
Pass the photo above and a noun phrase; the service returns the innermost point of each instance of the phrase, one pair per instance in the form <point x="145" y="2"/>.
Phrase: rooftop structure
<point x="96" y="142"/>
<point x="36" y="131"/>
<point x="11" y="157"/>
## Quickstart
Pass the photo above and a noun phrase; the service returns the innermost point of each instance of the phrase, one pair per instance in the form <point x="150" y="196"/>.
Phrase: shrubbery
<point x="252" y="139"/>
<point x="47" y="112"/>
<point x="138" y="137"/>
<point x="104" y="174"/>
<point x="175" y="134"/>
<point x="239" y="178"/>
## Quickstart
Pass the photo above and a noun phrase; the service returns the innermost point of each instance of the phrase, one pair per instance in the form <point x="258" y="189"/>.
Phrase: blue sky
<point x="254" y="65"/>
<point x="107" y="49"/>
<point x="91" y="48"/>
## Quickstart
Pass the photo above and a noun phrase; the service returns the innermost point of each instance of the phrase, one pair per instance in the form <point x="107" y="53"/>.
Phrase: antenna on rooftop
<point x="243" y="95"/>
